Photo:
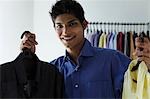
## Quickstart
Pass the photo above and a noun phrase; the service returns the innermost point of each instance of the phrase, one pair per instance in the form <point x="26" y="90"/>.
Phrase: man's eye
<point x="59" y="26"/>
<point x="72" y="24"/>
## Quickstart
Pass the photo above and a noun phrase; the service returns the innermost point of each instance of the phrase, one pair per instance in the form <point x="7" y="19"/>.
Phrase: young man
<point x="89" y="72"/>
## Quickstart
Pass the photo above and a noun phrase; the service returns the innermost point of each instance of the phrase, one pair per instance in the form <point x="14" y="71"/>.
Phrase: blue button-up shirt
<point x="98" y="74"/>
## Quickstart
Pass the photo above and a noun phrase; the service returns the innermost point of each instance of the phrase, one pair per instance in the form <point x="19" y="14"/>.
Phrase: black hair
<point x="67" y="7"/>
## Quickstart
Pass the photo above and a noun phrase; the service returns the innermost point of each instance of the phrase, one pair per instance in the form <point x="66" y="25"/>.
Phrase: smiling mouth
<point x="68" y="38"/>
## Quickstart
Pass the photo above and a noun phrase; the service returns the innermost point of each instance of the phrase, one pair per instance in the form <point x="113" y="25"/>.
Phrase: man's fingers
<point x="32" y="41"/>
<point x="31" y="37"/>
<point x="29" y="41"/>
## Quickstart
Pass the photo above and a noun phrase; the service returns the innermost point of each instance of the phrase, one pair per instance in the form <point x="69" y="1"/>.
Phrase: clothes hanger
<point x="94" y="28"/>
<point x="97" y="29"/>
<point x="101" y="29"/>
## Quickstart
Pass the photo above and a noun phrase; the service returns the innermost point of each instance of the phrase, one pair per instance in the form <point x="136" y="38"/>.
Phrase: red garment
<point x="120" y="42"/>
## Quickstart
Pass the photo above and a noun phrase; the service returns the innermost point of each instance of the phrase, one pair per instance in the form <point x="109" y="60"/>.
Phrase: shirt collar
<point x="87" y="50"/>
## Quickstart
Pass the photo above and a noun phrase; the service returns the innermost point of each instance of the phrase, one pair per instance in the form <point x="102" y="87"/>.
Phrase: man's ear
<point x="84" y="24"/>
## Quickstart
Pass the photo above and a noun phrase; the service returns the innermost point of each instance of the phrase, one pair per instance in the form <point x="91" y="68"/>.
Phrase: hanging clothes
<point x="90" y="37"/>
<point x="102" y="40"/>
<point x="108" y="39"/>
<point x="120" y="42"/>
<point x="132" y="49"/>
<point x="111" y="41"/>
<point x="115" y="41"/>
<point x="123" y="40"/>
<point x="134" y="36"/>
<point x="127" y="44"/>
<point x="97" y="37"/>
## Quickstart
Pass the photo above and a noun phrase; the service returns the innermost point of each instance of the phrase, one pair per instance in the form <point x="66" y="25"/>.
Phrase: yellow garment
<point x="139" y="89"/>
<point x="102" y="41"/>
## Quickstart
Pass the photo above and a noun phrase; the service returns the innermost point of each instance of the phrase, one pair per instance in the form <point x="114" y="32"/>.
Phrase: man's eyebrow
<point x="68" y="21"/>
<point x="58" y="23"/>
<point x="72" y="20"/>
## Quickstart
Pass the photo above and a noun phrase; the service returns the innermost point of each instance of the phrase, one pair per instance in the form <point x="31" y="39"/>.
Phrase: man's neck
<point x="75" y="52"/>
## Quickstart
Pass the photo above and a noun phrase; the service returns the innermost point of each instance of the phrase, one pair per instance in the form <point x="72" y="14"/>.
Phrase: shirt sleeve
<point x="120" y="64"/>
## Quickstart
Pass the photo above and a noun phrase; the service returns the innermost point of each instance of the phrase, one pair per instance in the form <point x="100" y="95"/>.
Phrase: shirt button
<point x="76" y="69"/>
<point x="76" y="85"/>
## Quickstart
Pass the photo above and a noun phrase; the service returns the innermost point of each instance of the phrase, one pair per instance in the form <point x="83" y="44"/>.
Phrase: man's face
<point x="69" y="30"/>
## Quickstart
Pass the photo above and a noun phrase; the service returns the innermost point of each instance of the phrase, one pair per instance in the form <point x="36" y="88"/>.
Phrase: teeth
<point x="67" y="38"/>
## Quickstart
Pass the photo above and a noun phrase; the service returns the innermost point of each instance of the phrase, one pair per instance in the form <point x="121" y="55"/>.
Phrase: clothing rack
<point x="118" y="26"/>
<point x="116" y="35"/>
<point x="117" y="23"/>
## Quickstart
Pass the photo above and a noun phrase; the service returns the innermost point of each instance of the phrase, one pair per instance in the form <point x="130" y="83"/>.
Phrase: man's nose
<point x="66" y="30"/>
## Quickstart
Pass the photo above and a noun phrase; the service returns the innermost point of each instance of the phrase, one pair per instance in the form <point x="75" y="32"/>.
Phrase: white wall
<point x="17" y="16"/>
<point x="116" y="10"/>
<point x="49" y="46"/>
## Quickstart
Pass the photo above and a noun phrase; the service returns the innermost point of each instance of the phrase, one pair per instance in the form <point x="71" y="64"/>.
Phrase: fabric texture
<point x="136" y="83"/>
<point x="15" y="83"/>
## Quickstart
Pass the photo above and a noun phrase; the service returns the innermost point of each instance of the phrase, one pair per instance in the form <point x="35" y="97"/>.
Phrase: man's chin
<point x="67" y="45"/>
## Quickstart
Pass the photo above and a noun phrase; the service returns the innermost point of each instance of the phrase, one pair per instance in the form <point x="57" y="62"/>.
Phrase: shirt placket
<point x="76" y="83"/>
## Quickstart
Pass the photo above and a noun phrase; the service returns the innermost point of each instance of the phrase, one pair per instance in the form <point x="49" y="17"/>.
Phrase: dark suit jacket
<point x="47" y="82"/>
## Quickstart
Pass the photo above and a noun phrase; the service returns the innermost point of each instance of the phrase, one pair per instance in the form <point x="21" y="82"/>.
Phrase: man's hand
<point x="29" y="41"/>
<point x="143" y="55"/>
